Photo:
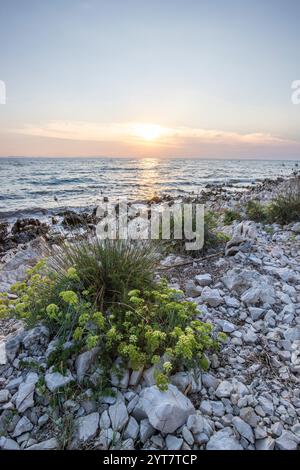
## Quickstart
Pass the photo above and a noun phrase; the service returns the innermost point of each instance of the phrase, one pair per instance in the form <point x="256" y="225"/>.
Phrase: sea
<point x="28" y="185"/>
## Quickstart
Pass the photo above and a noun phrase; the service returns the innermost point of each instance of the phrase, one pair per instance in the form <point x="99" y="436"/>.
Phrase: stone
<point x="187" y="436"/>
<point x="260" y="433"/>
<point x="183" y="379"/>
<point x="209" y="381"/>
<point x="296" y="429"/>
<point x="250" y="337"/>
<point x="251" y="296"/>
<point x="4" y="396"/>
<point x="8" y="444"/>
<point x="14" y="384"/>
<point x="292" y="334"/>
<point x="296" y="227"/>
<point x="203" y="279"/>
<point x="55" y="380"/>
<point x="24" y="397"/>
<point x="105" y="438"/>
<point x="243" y="429"/>
<point x="3" y="359"/>
<point x="87" y="426"/>
<point x="266" y="405"/>
<point x="224" y="390"/>
<point x="241" y="280"/>
<point x="173" y="442"/>
<point x="22" y="426"/>
<point x="287" y="441"/>
<point x="118" y="415"/>
<point x="211" y="296"/>
<point x="218" y="408"/>
<point x="149" y="376"/>
<point x="12" y="346"/>
<point x="135" y="377"/>
<point x="232" y="302"/>
<point x="146" y="430"/>
<point x="49" y="444"/>
<point x="195" y="423"/>
<point x="191" y="290"/>
<point x="84" y="362"/>
<point x="265" y="444"/>
<point x="205" y="407"/>
<point x="128" y="444"/>
<point x="287" y="275"/>
<point x="166" y="410"/>
<point x="201" y="438"/>
<point x="240" y="388"/>
<point x="43" y="419"/>
<point x="132" y="429"/>
<point x="227" y="326"/>
<point x="277" y="429"/>
<point x="36" y="339"/>
<point x="120" y="376"/>
<point x="105" y="420"/>
<point x="222" y="440"/>
<point x="256" y="313"/>
<point x="248" y="415"/>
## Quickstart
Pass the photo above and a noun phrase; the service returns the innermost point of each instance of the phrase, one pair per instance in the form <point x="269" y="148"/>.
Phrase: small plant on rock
<point x="256" y="211"/>
<point x="230" y="216"/>
<point x="285" y="208"/>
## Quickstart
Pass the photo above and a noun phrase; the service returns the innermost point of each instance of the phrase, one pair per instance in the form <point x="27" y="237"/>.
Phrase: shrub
<point x="256" y="211"/>
<point x="285" y="208"/>
<point x="212" y="237"/>
<point x="230" y="216"/>
<point x="107" y="269"/>
<point x="146" y="326"/>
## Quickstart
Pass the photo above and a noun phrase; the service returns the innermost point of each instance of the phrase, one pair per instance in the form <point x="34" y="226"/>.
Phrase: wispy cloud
<point x="131" y="133"/>
<point x="140" y="139"/>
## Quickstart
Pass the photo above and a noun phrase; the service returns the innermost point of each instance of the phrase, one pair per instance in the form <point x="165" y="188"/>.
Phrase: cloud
<point x="131" y="139"/>
<point x="128" y="132"/>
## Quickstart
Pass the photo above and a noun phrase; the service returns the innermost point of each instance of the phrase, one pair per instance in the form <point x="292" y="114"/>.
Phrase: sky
<point x="171" y="78"/>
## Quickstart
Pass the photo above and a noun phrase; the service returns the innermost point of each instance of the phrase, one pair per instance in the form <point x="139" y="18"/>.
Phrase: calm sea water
<point x="28" y="183"/>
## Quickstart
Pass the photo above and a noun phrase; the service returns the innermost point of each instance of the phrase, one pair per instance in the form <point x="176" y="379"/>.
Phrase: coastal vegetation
<point x="102" y="295"/>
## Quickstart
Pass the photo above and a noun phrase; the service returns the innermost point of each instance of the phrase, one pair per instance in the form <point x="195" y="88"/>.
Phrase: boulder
<point x="166" y="410"/>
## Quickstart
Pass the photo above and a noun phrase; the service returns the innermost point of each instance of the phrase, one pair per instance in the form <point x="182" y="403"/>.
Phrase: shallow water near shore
<point x="28" y="184"/>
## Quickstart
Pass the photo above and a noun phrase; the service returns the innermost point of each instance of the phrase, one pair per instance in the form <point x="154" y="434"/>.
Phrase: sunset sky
<point x="167" y="78"/>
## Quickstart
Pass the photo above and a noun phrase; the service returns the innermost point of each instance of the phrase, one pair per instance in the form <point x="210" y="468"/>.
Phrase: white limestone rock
<point x="166" y="410"/>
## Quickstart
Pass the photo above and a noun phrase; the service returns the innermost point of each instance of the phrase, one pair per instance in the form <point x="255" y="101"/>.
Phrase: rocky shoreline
<point x="249" y="398"/>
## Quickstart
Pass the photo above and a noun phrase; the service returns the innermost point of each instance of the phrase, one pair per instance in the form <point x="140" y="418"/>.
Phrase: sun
<point x="148" y="132"/>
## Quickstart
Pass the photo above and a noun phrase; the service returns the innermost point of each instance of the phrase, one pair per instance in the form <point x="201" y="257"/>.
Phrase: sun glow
<point x="148" y="132"/>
